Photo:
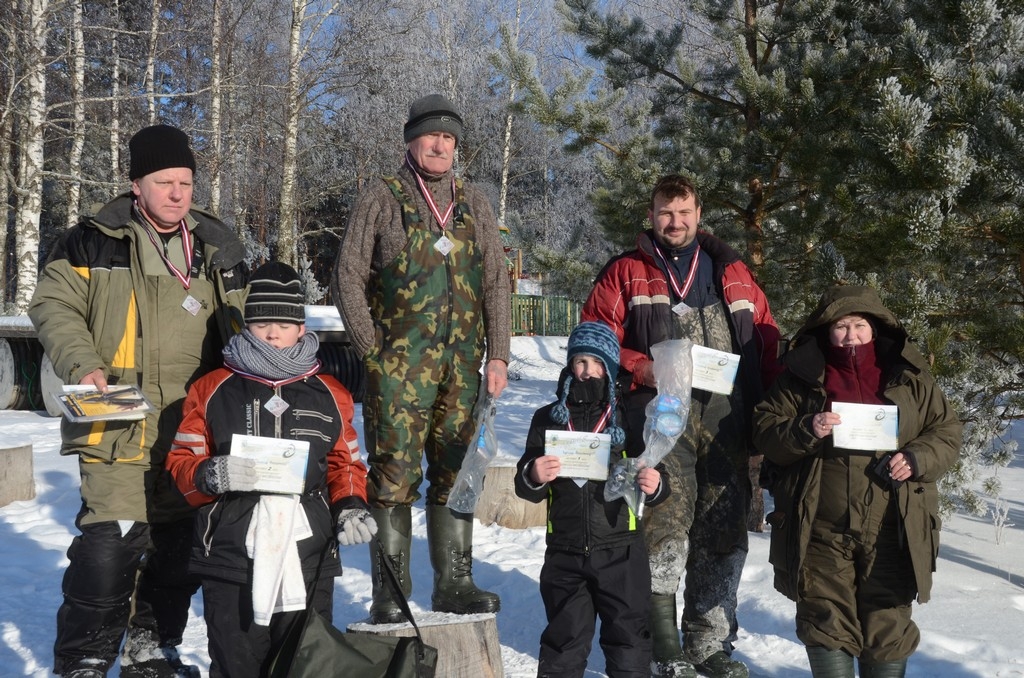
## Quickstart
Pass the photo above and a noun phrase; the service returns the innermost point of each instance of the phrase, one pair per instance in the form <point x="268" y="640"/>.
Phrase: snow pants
<point x="857" y="581"/>
<point x="613" y="584"/>
<point x="238" y="647"/>
<point x="701" y="528"/>
<point x="417" y="402"/>
<point x="109" y="571"/>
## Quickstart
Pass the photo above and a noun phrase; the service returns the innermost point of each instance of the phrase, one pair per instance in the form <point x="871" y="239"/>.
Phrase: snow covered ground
<point x="972" y="628"/>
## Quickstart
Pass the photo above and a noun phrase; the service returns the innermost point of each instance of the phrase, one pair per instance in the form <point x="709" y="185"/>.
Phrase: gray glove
<point x="355" y="526"/>
<point x="225" y="473"/>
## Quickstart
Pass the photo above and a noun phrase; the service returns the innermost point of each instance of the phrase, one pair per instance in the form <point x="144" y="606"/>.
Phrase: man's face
<point x="674" y="221"/>
<point x="433" y="151"/>
<point x="278" y="335"/>
<point x="165" y="195"/>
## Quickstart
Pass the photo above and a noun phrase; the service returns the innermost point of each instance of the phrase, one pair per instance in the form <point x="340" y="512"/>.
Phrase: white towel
<point x="277" y="523"/>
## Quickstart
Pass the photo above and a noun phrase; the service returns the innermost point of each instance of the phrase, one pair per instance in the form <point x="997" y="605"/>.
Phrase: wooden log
<point x="499" y="504"/>
<point x="467" y="645"/>
<point x="16" y="480"/>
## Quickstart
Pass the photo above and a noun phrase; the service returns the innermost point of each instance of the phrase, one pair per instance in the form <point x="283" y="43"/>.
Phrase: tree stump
<point x="467" y="645"/>
<point x="16" y="480"/>
<point x="499" y="504"/>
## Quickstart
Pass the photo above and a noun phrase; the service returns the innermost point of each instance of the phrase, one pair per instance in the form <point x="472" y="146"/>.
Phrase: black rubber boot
<point x="450" y="537"/>
<point x="829" y="663"/>
<point x="895" y="669"/>
<point x="668" y="656"/>
<point x="394" y="534"/>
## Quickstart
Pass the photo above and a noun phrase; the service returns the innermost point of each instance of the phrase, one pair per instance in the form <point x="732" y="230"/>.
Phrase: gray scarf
<point x="246" y="353"/>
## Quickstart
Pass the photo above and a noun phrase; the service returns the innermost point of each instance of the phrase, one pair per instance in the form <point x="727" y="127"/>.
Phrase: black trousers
<point x="238" y="647"/>
<point x="613" y="584"/>
<point x="108" y="572"/>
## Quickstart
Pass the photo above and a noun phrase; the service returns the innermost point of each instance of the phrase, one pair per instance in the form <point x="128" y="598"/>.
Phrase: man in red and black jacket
<point x="681" y="282"/>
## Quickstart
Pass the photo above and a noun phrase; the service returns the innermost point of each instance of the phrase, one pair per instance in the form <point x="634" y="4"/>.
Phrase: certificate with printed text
<point x="584" y="455"/>
<point x="866" y="427"/>
<point x="713" y="370"/>
<point x="280" y="462"/>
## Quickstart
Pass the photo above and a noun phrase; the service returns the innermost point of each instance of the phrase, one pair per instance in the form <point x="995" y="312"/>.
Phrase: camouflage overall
<point x="423" y="383"/>
<point x="709" y="504"/>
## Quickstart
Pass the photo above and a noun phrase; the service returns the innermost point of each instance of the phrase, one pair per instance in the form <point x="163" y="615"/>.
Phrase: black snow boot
<point x="450" y="537"/>
<point x="394" y="534"/>
<point x="829" y="663"/>
<point x="144" y="657"/>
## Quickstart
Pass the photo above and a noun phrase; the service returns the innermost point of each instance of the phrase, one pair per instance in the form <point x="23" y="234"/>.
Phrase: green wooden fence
<point x="545" y="316"/>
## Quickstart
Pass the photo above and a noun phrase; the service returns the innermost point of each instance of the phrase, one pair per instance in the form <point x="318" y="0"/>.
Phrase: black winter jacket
<point x="579" y="518"/>
<point x="320" y="412"/>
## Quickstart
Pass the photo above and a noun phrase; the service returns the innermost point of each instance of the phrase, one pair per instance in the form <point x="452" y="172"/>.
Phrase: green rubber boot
<point x="394" y="534"/>
<point x="668" y="657"/>
<point x="895" y="669"/>
<point x="450" y="537"/>
<point x="829" y="663"/>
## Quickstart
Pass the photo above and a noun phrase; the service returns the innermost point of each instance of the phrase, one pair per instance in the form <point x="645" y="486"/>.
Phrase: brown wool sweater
<point x="375" y="236"/>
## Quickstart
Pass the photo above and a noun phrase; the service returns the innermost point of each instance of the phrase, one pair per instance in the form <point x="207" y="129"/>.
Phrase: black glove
<point x="225" y="473"/>
<point x="355" y="526"/>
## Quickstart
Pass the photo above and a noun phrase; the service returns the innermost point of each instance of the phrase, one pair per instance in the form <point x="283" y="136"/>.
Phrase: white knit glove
<point x="355" y="526"/>
<point x="225" y="473"/>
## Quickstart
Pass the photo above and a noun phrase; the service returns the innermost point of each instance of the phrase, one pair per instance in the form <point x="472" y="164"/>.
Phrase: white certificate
<point x="584" y="455"/>
<point x="713" y="370"/>
<point x="866" y="427"/>
<point x="280" y="462"/>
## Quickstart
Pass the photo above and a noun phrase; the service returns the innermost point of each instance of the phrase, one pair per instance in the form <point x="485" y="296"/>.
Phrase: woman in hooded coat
<point x="855" y="533"/>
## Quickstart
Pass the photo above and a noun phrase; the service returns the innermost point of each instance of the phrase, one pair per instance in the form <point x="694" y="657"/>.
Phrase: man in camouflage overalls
<point x="422" y="287"/>
<point x="684" y="283"/>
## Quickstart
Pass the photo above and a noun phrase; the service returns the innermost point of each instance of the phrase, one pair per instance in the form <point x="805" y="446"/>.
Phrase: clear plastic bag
<point x="667" y="415"/>
<point x="469" y="483"/>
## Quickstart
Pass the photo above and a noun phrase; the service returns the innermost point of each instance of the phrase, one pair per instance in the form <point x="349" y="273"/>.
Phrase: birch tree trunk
<point x="154" y="28"/>
<point x="506" y="146"/>
<point x="506" y="149"/>
<point x="6" y="153"/>
<point x="215" y="163"/>
<point x="288" y="231"/>
<point x="74" y="187"/>
<point x="30" y="176"/>
<point x="115" y="93"/>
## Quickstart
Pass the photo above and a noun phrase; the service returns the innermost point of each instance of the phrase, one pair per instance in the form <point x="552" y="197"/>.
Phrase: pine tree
<point x="874" y="143"/>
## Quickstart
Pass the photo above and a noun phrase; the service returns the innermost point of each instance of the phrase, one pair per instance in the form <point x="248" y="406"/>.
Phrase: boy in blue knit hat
<point x="596" y="563"/>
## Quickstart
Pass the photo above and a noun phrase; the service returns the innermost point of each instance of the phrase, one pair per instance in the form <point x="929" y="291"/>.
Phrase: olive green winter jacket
<point x="929" y="430"/>
<point x="105" y="300"/>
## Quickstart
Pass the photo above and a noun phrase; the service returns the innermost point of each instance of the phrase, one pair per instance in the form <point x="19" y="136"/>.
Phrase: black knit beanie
<point x="432" y="113"/>
<point x="598" y="340"/>
<point x="159" y="147"/>
<point x="275" y="295"/>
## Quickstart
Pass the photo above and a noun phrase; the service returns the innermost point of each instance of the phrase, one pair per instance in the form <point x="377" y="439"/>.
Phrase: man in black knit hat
<point x="146" y="292"/>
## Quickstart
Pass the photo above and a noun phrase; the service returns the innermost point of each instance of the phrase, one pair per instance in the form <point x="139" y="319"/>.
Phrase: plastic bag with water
<point x="469" y="483"/>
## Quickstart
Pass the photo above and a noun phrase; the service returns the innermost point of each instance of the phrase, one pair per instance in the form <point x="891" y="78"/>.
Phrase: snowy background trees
<point x="867" y="142"/>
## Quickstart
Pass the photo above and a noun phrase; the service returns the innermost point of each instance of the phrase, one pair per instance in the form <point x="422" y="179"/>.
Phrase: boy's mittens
<point x="225" y="473"/>
<point x="355" y="526"/>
